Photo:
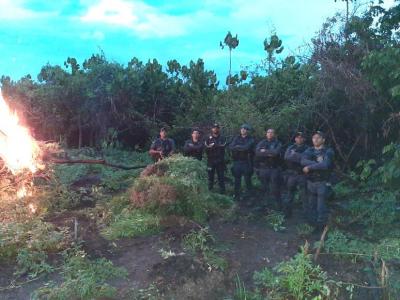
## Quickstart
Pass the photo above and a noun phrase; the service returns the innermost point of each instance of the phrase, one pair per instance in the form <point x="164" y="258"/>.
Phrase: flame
<point x="21" y="193"/>
<point x="32" y="208"/>
<point x="18" y="149"/>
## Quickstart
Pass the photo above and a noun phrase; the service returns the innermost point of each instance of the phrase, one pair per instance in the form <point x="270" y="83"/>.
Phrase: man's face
<point x="299" y="140"/>
<point x="243" y="131"/>
<point x="163" y="134"/>
<point x="318" y="140"/>
<point x="195" y="135"/>
<point x="270" y="134"/>
<point x="215" y="130"/>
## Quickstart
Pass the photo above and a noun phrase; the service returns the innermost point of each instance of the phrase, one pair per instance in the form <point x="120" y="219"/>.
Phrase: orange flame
<point x="18" y="149"/>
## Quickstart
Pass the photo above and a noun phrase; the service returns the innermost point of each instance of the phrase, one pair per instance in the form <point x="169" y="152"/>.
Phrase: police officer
<point x="317" y="162"/>
<point x="295" y="178"/>
<point x="215" y="151"/>
<point x="242" y="148"/>
<point x="162" y="147"/>
<point x="194" y="147"/>
<point x="268" y="157"/>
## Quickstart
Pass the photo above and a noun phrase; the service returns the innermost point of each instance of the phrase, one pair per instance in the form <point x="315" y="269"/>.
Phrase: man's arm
<point x="275" y="151"/>
<point x="326" y="163"/>
<point x="306" y="159"/>
<point x="292" y="155"/>
<point x="187" y="147"/>
<point x="261" y="151"/>
<point x="172" y="146"/>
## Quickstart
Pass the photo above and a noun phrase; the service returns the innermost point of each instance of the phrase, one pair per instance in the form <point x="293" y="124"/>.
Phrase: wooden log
<point x="94" y="161"/>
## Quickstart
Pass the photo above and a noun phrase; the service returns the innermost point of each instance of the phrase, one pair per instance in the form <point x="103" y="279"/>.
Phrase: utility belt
<point x="318" y="176"/>
<point x="240" y="156"/>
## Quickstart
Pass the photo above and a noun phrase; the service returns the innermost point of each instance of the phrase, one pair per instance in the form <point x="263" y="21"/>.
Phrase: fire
<point x="18" y="149"/>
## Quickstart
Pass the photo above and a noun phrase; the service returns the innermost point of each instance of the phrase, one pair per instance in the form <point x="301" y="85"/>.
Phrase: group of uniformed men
<point x="306" y="169"/>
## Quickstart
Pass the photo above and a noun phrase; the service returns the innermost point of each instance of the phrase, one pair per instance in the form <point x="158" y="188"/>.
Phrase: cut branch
<point x="95" y="161"/>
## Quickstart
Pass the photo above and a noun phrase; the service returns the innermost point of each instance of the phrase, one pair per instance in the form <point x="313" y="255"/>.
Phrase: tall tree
<point x="231" y="42"/>
<point x="272" y="46"/>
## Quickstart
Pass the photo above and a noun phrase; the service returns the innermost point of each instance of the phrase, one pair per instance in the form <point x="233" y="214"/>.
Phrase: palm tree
<point x="232" y="43"/>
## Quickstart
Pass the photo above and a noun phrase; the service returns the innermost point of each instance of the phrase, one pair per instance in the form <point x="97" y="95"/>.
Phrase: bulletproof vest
<point x="269" y="162"/>
<point x="319" y="175"/>
<point x="242" y="155"/>
<point x="215" y="154"/>
<point x="296" y="166"/>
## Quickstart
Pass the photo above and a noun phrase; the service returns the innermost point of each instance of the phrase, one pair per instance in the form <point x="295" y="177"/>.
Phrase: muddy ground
<point x="246" y="242"/>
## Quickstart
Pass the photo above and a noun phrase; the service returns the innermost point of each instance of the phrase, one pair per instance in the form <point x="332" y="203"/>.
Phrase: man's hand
<point x="262" y="150"/>
<point x="306" y="170"/>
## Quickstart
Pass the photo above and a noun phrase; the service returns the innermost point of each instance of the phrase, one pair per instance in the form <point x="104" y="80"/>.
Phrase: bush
<point x="83" y="279"/>
<point x="177" y="185"/>
<point x="297" y="278"/>
<point x="131" y="223"/>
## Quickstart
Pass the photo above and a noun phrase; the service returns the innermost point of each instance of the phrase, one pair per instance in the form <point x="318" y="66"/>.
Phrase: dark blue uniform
<point x="268" y="161"/>
<point x="320" y="164"/>
<point x="193" y="149"/>
<point x="167" y="146"/>
<point x="215" y="150"/>
<point x="295" y="178"/>
<point x="242" y="149"/>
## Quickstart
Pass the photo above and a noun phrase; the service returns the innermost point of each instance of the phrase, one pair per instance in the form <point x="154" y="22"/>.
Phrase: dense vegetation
<point x="347" y="84"/>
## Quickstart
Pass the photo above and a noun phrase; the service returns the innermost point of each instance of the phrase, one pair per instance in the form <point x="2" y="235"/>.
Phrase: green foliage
<point x="149" y="293"/>
<point x="275" y="220"/>
<point x="201" y="241"/>
<point x="132" y="223"/>
<point x="346" y="245"/>
<point x="240" y="290"/>
<point x="297" y="278"/>
<point x="304" y="229"/>
<point x="177" y="185"/>
<point x="29" y="238"/>
<point x="32" y="262"/>
<point x="82" y="279"/>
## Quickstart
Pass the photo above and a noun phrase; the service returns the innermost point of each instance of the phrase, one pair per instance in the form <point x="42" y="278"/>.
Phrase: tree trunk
<point x="79" y="132"/>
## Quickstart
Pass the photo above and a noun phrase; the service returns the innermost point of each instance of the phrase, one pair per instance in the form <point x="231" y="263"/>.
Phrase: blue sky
<point x="36" y="32"/>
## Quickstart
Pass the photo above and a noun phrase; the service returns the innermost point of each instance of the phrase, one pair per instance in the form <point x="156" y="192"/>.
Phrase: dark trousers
<point x="296" y="182"/>
<point x="218" y="168"/>
<point x="242" y="169"/>
<point x="270" y="179"/>
<point x="317" y="194"/>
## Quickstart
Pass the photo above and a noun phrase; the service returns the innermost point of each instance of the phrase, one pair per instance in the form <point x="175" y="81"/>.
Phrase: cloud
<point x="14" y="10"/>
<point x="94" y="35"/>
<point x="143" y="19"/>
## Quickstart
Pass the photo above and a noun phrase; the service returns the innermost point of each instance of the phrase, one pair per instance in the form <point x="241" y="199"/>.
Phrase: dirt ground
<point x="246" y="243"/>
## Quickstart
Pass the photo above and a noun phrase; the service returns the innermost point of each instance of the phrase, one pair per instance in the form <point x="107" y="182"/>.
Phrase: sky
<point x="36" y="32"/>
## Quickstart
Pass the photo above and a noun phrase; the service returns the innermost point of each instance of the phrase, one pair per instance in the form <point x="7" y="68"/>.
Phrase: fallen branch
<point x="95" y="161"/>
<point x="321" y="243"/>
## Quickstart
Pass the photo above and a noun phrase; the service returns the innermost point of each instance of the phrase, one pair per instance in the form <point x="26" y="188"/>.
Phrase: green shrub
<point x="82" y="279"/>
<point x="297" y="278"/>
<point x="202" y="242"/>
<point x="132" y="223"/>
<point x="177" y="185"/>
<point x="275" y="220"/>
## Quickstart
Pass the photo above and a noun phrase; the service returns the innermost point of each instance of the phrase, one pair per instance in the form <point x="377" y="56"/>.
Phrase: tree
<point x="273" y="46"/>
<point x="232" y="43"/>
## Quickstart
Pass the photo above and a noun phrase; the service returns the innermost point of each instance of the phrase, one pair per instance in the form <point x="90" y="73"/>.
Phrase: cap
<point x="196" y="129"/>
<point x="299" y="133"/>
<point x="245" y="126"/>
<point x="215" y="125"/>
<point x="320" y="133"/>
